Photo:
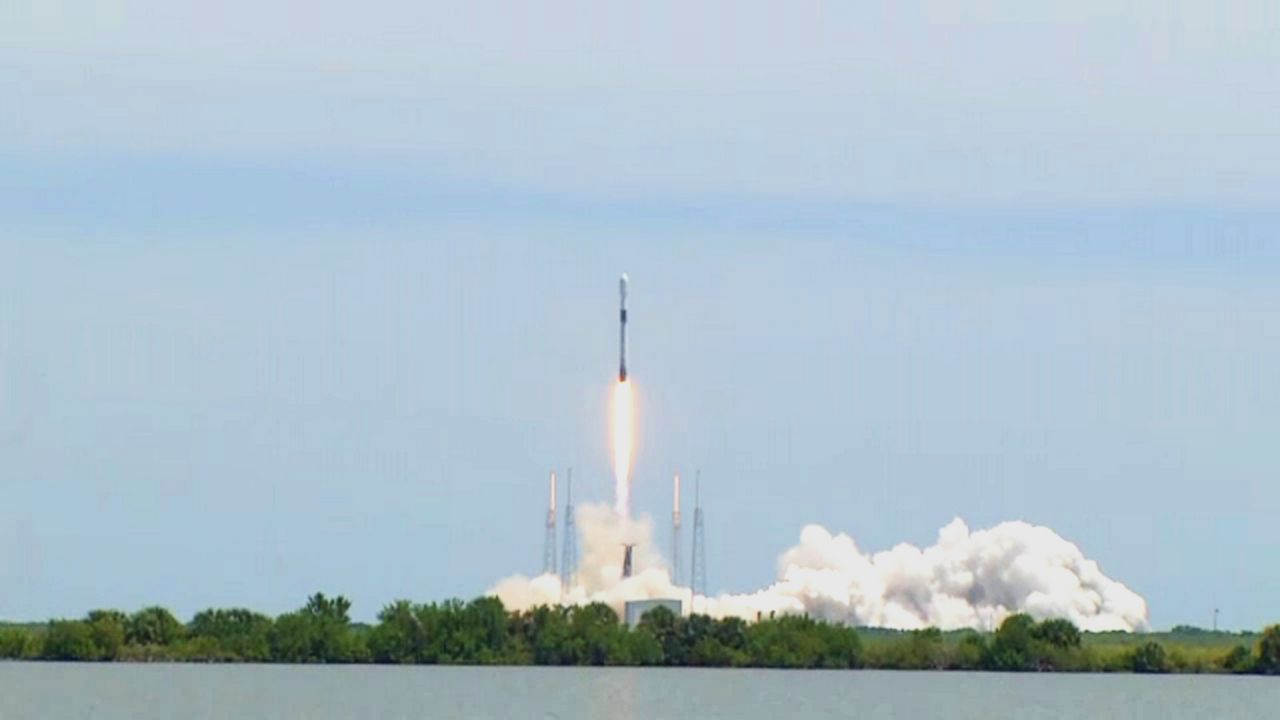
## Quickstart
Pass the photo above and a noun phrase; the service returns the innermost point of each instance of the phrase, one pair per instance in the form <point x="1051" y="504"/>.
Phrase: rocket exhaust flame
<point x="623" y="436"/>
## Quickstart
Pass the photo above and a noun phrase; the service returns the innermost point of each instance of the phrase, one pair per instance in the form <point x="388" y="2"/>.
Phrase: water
<point x="143" y="692"/>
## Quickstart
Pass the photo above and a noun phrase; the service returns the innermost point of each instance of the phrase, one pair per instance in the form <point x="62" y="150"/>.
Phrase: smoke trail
<point x="966" y="579"/>
<point x="623" y="436"/>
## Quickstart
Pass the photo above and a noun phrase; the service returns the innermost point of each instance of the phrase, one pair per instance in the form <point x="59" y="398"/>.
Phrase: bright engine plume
<point x="623" y="437"/>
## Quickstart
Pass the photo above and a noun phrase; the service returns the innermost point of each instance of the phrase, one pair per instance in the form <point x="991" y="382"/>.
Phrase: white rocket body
<point x="622" y="349"/>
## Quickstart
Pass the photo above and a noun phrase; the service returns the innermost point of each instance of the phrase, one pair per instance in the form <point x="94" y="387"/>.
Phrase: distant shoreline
<point x="484" y="633"/>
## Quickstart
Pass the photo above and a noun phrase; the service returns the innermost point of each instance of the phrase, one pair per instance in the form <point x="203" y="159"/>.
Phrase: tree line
<point x="483" y="632"/>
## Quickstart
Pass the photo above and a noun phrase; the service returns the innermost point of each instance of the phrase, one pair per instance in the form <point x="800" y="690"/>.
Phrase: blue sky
<point x="306" y="297"/>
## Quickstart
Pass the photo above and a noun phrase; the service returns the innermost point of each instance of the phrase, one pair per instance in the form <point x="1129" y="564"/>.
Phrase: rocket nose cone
<point x="622" y="284"/>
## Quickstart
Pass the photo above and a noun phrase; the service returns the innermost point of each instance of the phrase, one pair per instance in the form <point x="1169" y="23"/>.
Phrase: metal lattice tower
<point x="675" y="531"/>
<point x="569" y="563"/>
<point x="549" y="542"/>
<point x="698" y="568"/>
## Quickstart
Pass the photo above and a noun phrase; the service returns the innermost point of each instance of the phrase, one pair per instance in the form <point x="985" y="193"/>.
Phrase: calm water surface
<point x="142" y="692"/>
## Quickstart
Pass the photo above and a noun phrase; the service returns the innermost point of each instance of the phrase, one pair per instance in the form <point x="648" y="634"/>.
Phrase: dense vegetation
<point x="483" y="632"/>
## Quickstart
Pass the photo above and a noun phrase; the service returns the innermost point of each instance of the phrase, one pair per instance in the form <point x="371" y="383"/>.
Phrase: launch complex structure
<point x="569" y="560"/>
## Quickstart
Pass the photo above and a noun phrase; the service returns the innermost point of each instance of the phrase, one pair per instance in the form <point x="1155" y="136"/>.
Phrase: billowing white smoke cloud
<point x="966" y="579"/>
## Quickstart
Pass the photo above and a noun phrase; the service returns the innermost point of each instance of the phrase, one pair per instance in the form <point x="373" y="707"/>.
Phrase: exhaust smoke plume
<point x="966" y="579"/>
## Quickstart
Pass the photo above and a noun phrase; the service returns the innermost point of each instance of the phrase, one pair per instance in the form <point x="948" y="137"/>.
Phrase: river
<point x="39" y="691"/>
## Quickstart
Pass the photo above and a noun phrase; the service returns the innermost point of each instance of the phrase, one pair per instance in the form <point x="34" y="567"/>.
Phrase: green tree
<point x="108" y="630"/>
<point x="924" y="650"/>
<point x="484" y="620"/>
<point x="69" y="640"/>
<point x="14" y="643"/>
<point x="153" y="626"/>
<point x="700" y="642"/>
<point x="731" y="634"/>
<point x="231" y="633"/>
<point x="291" y="639"/>
<point x="968" y="654"/>
<point x="643" y="648"/>
<point x="1150" y="657"/>
<point x="333" y="640"/>
<point x="1058" y="633"/>
<point x="547" y="633"/>
<point x="1012" y="646"/>
<point x="439" y="623"/>
<point x="1236" y="660"/>
<point x="667" y="629"/>
<point x="843" y="646"/>
<point x="801" y="642"/>
<point x="1268" y="662"/>
<point x="1020" y="644"/>
<point x="598" y="633"/>
<point x="399" y="636"/>
<point x="320" y="632"/>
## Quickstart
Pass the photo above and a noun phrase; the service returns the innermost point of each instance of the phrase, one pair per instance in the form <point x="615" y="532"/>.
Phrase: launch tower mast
<point x="569" y="563"/>
<point x="698" y="568"/>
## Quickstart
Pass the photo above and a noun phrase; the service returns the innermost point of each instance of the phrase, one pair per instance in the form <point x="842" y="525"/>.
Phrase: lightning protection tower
<point x="675" y="530"/>
<point x="549" y="542"/>
<point x="698" y="568"/>
<point x="569" y="563"/>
